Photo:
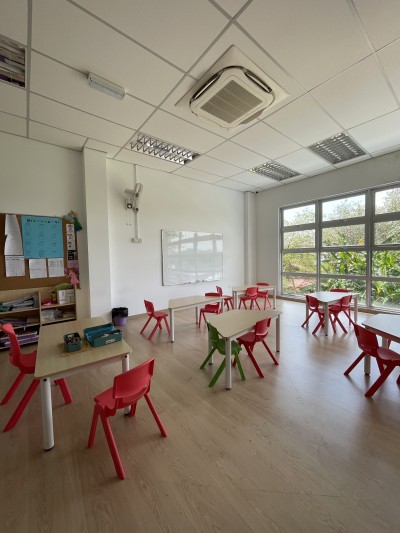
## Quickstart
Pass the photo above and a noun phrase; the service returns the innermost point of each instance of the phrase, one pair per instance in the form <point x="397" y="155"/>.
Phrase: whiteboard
<point x="191" y="256"/>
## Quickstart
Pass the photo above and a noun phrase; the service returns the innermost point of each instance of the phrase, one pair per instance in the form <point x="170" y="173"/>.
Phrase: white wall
<point x="40" y="179"/>
<point x="372" y="172"/>
<point x="168" y="202"/>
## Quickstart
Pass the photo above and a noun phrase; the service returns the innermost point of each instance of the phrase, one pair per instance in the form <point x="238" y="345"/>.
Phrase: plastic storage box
<point x="102" y="335"/>
<point x="72" y="342"/>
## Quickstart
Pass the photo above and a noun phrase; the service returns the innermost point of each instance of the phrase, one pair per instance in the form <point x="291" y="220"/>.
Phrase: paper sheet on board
<point x="13" y="244"/>
<point x="15" y="265"/>
<point x="37" y="268"/>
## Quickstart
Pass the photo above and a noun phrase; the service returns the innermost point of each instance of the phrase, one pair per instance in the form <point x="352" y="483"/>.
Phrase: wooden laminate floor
<point x="300" y="451"/>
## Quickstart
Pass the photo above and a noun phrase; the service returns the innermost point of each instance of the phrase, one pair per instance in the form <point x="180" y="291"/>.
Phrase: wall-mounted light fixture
<point x="106" y="86"/>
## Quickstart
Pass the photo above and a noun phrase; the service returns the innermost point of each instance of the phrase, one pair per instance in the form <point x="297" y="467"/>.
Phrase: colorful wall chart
<point x="42" y="237"/>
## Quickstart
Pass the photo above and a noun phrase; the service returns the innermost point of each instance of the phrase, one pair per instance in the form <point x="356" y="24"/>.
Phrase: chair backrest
<point x="262" y="284"/>
<point x="212" y="294"/>
<point x="251" y="291"/>
<point x="149" y="307"/>
<point x="212" y="308"/>
<point x="219" y="291"/>
<point x="15" y="349"/>
<point x="262" y="327"/>
<point x="345" y="301"/>
<point x="130" y="386"/>
<point x="213" y="335"/>
<point x="312" y="302"/>
<point x="339" y="290"/>
<point x="367" y="341"/>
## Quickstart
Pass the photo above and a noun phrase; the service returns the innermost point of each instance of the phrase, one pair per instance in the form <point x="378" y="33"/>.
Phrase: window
<point x="351" y="242"/>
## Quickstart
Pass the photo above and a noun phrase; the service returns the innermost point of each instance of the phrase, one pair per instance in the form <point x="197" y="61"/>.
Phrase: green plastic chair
<point x="218" y="344"/>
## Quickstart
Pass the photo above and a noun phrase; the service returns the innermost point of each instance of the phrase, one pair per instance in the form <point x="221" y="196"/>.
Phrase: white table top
<point x="49" y="360"/>
<point x="385" y="324"/>
<point x="191" y="301"/>
<point x="328" y="296"/>
<point x="236" y="321"/>
<point x="241" y="288"/>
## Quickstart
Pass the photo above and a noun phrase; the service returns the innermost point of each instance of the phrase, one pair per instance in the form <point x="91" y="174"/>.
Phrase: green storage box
<point x="102" y="335"/>
<point x="72" y="342"/>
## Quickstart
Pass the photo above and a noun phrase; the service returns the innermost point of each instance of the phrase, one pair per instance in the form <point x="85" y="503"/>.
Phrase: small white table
<point x="51" y="365"/>
<point x="328" y="297"/>
<point x="234" y="323"/>
<point x="242" y="289"/>
<point x="386" y="326"/>
<point x="177" y="304"/>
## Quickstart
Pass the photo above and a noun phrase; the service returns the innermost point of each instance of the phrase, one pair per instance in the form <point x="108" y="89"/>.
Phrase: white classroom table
<point x="242" y="289"/>
<point x="328" y="297"/>
<point x="233" y="324"/>
<point x="187" y="302"/>
<point x="52" y="365"/>
<point x="386" y="326"/>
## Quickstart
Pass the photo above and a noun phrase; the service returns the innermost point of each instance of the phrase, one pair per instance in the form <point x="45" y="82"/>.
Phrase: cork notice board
<point x="23" y="282"/>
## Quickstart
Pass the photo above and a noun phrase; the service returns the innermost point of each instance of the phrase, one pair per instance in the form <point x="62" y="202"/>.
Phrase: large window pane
<point x="387" y="232"/>
<point x="387" y="201"/>
<point x="344" y="236"/>
<point x="299" y="215"/>
<point x="356" y="285"/>
<point x="298" y="285"/>
<point x="386" y="264"/>
<point x="299" y="239"/>
<point x="386" y="294"/>
<point x="299" y="262"/>
<point x="344" y="208"/>
<point x="344" y="263"/>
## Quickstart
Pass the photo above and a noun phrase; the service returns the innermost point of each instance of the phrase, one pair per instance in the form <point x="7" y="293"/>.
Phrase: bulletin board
<point x="23" y="282"/>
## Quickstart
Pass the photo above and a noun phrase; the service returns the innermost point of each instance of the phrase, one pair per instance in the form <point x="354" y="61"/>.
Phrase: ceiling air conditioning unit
<point x="233" y="92"/>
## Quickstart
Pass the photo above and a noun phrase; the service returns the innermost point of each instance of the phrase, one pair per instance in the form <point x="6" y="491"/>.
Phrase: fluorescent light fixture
<point x="162" y="149"/>
<point x="337" y="149"/>
<point x="275" y="171"/>
<point x="106" y="86"/>
<point x="12" y="62"/>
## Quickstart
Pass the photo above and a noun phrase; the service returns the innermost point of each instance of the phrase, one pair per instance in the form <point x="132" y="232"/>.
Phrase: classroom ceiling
<point x="338" y="62"/>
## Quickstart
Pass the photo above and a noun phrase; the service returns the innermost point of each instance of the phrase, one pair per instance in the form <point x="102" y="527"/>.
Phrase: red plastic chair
<point x="228" y="300"/>
<point x="129" y="387"/>
<point x="346" y="309"/>
<point x="264" y="294"/>
<point x="368" y="344"/>
<point x="210" y="308"/>
<point x="341" y="307"/>
<point x="158" y="315"/>
<point x="258" y="335"/>
<point x="250" y="296"/>
<point x="313" y="306"/>
<point x="389" y="360"/>
<point x="26" y="365"/>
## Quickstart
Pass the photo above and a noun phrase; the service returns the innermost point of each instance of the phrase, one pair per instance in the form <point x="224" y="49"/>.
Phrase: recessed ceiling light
<point x="337" y="149"/>
<point x="162" y="149"/>
<point x="12" y="62"/>
<point x="275" y="171"/>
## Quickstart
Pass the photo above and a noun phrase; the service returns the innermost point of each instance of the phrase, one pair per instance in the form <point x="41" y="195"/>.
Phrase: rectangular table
<point x="187" y="302"/>
<point x="234" y="323"/>
<point x="386" y="326"/>
<point x="241" y="289"/>
<point x="51" y="365"/>
<point x="328" y="297"/>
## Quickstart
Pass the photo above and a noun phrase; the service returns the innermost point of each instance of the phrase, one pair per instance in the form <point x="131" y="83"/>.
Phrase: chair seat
<point x="248" y="338"/>
<point x="160" y="314"/>
<point x="28" y="362"/>
<point x="385" y="354"/>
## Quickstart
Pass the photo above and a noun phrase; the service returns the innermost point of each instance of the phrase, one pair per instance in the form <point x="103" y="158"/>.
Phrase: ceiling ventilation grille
<point x="12" y="62"/>
<point x="275" y="171"/>
<point x="162" y="149"/>
<point x="337" y="149"/>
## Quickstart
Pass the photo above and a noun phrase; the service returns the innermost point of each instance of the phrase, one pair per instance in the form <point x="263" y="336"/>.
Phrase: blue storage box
<point x="102" y="335"/>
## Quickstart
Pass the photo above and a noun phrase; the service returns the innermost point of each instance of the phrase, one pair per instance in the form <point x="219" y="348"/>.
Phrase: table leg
<point x="197" y="314"/>
<point x="171" y="325"/>
<point x="355" y="299"/>
<point x="274" y="296"/>
<point x="235" y="304"/>
<point x="278" y="333"/>
<point x="307" y="311"/>
<point x="228" y="364"/>
<point x="326" y="317"/>
<point x="125" y="368"/>
<point x="367" y="365"/>
<point x="47" y="414"/>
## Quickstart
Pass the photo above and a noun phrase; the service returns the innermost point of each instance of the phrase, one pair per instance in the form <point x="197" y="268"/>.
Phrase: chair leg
<point x="375" y="386"/>
<point x="354" y="364"/>
<point x="270" y="353"/>
<point x="239" y="364"/>
<point x="144" y="327"/>
<point x="201" y="315"/>
<point x="203" y="364"/>
<point x="256" y="302"/>
<point x="132" y="410"/>
<point x="217" y="374"/>
<point x="13" y="388"/>
<point x="307" y="319"/>
<point x="337" y="319"/>
<point x="319" y="325"/>
<point x="154" y="330"/>
<point x="22" y="404"/>
<point x="167" y="325"/>
<point x="253" y="360"/>
<point x="64" y="390"/>
<point x="93" y="427"/>
<point x="155" y="415"/>
<point x="112" y="446"/>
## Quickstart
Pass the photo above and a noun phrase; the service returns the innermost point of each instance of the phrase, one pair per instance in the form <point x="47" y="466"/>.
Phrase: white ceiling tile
<point x="236" y="186"/>
<point x="14" y="20"/>
<point x="380" y="20"/>
<point x="194" y="174"/>
<point x="357" y="95"/>
<point x="304" y="162"/>
<point x="50" y="135"/>
<point x="12" y="124"/>
<point x="213" y="166"/>
<point x="303" y="121"/>
<point x="196" y="23"/>
<point x="129" y="156"/>
<point x="109" y="149"/>
<point x="70" y="87"/>
<point x="389" y="57"/>
<point x="379" y="134"/>
<point x="66" y="33"/>
<point x="265" y="141"/>
<point x="253" y="179"/>
<point x="231" y="6"/>
<point x="69" y="119"/>
<point x="12" y="99"/>
<point x="320" y="38"/>
<point x="235" y="154"/>
<point x="175" y="130"/>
